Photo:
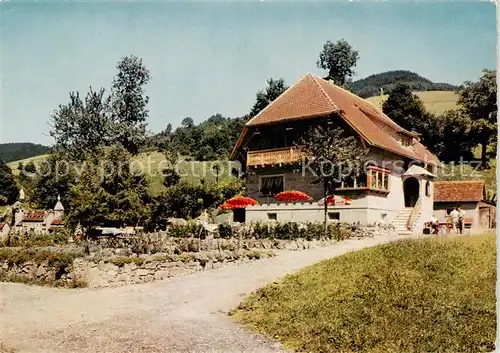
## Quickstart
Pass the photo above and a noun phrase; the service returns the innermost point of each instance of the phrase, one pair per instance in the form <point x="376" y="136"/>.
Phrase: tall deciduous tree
<point x="8" y="188"/>
<point x="129" y="103"/>
<point x="264" y="97"/>
<point x="80" y="126"/>
<point x="479" y="100"/>
<point x="456" y="140"/>
<point x="83" y="126"/>
<point x="334" y="156"/>
<point x="405" y="108"/>
<point x="408" y="111"/>
<point x="339" y="59"/>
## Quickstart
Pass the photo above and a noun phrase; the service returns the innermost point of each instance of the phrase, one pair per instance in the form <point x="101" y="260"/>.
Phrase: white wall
<point x="314" y="212"/>
<point x="366" y="208"/>
<point x="389" y="204"/>
<point x="471" y="210"/>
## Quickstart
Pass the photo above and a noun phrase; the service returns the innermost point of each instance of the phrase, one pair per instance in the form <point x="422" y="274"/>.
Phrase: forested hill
<point x="21" y="150"/>
<point x="371" y="85"/>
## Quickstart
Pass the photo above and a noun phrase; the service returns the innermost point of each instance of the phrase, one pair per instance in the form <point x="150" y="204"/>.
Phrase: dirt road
<point x="183" y="314"/>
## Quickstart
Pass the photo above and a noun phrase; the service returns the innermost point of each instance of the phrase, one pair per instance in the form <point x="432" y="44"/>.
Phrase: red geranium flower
<point x="336" y="199"/>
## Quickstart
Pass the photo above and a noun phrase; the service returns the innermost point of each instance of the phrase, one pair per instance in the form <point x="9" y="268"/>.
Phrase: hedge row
<point x="282" y="231"/>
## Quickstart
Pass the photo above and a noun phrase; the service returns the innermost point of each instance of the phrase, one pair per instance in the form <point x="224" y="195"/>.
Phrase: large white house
<point x="397" y="186"/>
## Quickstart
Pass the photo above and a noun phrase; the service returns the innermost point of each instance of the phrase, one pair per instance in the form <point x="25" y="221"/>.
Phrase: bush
<point x="187" y="200"/>
<point x="165" y="258"/>
<point x="59" y="237"/>
<point x="186" y="257"/>
<point x="18" y="256"/>
<point x="78" y="283"/>
<point x="253" y="254"/>
<point x="122" y="261"/>
<point x="225" y="231"/>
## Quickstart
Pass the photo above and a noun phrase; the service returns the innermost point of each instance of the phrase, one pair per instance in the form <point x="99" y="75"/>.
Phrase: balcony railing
<point x="276" y="156"/>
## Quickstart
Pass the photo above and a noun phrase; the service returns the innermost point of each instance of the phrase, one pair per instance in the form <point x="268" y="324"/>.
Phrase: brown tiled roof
<point x="35" y="216"/>
<point x="459" y="191"/>
<point x="304" y="99"/>
<point x="312" y="96"/>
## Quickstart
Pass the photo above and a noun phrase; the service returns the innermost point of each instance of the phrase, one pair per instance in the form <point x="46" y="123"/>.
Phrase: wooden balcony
<point x="276" y="156"/>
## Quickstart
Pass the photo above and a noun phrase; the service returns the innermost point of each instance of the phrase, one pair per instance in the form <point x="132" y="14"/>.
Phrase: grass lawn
<point x="429" y="295"/>
<point x="435" y="101"/>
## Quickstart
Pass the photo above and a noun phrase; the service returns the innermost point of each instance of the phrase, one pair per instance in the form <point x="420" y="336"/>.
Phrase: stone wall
<point x="40" y="274"/>
<point x="115" y="267"/>
<point x="105" y="273"/>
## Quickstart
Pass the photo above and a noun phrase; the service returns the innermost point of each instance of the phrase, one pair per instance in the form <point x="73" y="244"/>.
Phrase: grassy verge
<point x="36" y="256"/>
<point x="434" y="295"/>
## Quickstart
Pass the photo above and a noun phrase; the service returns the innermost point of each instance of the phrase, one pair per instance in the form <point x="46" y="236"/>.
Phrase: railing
<point x="413" y="215"/>
<point x="274" y="156"/>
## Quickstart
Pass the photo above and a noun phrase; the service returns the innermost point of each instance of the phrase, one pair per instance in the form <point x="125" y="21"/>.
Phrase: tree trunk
<point x="325" y="206"/>
<point x="484" y="160"/>
<point x="86" y="248"/>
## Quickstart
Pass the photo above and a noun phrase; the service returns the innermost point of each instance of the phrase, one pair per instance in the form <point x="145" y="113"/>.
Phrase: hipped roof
<point x="313" y="97"/>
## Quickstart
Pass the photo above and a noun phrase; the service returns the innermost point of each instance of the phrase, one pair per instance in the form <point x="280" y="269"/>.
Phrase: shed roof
<point x="459" y="191"/>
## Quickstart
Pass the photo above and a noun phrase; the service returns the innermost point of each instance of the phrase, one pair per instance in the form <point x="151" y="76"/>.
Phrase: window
<point x="375" y="178"/>
<point x="353" y="181"/>
<point x="271" y="185"/>
<point x="334" y="216"/>
<point x="427" y="188"/>
<point x="239" y="215"/>
<point x="406" y="141"/>
<point x="379" y="178"/>
<point x="272" y="216"/>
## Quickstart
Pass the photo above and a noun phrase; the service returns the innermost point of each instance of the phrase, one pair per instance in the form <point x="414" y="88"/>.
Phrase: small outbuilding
<point x="470" y="195"/>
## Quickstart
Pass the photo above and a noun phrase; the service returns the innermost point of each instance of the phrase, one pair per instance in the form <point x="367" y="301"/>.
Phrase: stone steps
<point x="401" y="220"/>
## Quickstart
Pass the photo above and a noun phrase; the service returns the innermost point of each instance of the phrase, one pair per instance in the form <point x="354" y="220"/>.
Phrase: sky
<point x="212" y="57"/>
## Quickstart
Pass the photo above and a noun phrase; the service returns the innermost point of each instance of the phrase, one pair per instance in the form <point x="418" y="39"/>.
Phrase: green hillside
<point x="36" y="160"/>
<point x="152" y="163"/>
<point x="20" y="150"/>
<point x="371" y="85"/>
<point x="435" y="101"/>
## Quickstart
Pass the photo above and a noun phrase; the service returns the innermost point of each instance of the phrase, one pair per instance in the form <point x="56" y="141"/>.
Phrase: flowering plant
<point x="336" y="200"/>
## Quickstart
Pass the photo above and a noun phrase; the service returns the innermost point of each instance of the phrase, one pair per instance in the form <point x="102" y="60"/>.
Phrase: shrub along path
<point x="184" y="314"/>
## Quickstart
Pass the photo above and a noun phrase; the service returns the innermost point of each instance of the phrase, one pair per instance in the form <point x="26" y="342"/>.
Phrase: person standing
<point x="434" y="224"/>
<point x="461" y="216"/>
<point x="454" y="219"/>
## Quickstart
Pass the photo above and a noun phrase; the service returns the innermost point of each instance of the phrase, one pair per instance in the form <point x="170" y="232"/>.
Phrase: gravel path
<point x="183" y="314"/>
